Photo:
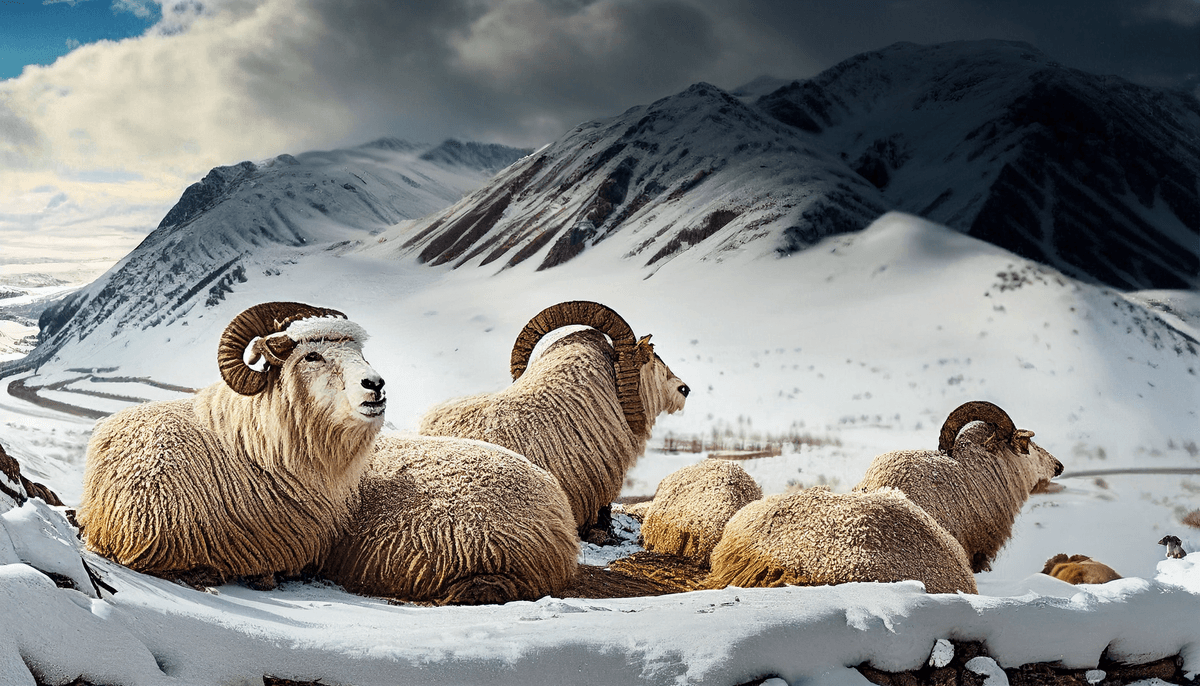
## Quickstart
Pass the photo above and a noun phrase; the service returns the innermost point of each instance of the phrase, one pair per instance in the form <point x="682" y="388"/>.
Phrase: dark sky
<point x="218" y="81"/>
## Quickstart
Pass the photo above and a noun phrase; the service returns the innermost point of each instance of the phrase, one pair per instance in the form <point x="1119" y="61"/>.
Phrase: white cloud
<point x="139" y="8"/>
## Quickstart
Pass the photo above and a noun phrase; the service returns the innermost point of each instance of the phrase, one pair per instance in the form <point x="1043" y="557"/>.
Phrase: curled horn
<point x="980" y="410"/>
<point x="260" y="321"/>
<point x="630" y="355"/>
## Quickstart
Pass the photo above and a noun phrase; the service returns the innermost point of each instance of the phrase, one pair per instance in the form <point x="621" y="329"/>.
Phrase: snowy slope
<point x="248" y="218"/>
<point x="699" y="168"/>
<point x="866" y="341"/>
<point x="1090" y="174"/>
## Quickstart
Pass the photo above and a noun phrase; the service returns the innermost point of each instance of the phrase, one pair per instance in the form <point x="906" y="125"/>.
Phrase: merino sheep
<point x="692" y="505"/>
<point x="583" y="410"/>
<point x="814" y="537"/>
<point x="251" y="477"/>
<point x="975" y="483"/>
<point x="1079" y="569"/>
<point x="456" y="521"/>
<point x="1174" y="546"/>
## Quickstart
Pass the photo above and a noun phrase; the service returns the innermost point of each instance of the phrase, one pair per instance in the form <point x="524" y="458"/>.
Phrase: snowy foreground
<point x="155" y="632"/>
<point x="768" y="346"/>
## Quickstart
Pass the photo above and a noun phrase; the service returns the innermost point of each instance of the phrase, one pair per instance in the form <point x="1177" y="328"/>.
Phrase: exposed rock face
<point x="1091" y="174"/>
<point x="696" y="172"/>
<point x="15" y="488"/>
<point x="243" y="221"/>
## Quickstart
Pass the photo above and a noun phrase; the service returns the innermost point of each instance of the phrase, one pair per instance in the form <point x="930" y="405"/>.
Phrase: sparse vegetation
<point x="741" y="441"/>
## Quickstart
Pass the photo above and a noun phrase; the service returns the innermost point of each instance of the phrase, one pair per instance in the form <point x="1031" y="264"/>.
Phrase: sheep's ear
<point x="1020" y="440"/>
<point x="645" y="350"/>
<point x="275" y="348"/>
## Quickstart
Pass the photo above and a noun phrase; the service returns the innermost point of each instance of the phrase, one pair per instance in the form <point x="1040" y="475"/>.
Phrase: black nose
<point x="1058" y="468"/>
<point x="375" y="384"/>
<point x="685" y="390"/>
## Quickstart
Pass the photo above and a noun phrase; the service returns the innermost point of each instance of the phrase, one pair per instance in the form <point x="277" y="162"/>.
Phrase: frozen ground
<point x="862" y="343"/>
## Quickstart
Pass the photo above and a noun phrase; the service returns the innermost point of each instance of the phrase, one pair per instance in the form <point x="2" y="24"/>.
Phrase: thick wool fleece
<point x="815" y="537"/>
<point x="456" y="521"/>
<point x="563" y="414"/>
<point x="224" y="484"/>
<point x="692" y="505"/>
<point x="975" y="492"/>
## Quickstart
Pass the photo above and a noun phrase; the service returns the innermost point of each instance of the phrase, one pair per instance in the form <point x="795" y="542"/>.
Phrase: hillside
<point x="251" y="217"/>
<point x="1093" y="175"/>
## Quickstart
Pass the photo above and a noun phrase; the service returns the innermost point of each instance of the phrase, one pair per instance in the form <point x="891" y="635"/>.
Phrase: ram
<point x="455" y="521"/>
<point x="253" y="476"/>
<point x="975" y="483"/>
<point x="936" y="517"/>
<point x="583" y="409"/>
<point x="692" y="505"/>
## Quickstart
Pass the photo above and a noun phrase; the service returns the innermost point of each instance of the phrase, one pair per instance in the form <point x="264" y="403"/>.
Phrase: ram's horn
<point x="976" y="410"/>
<point x="260" y="321"/>
<point x="630" y="356"/>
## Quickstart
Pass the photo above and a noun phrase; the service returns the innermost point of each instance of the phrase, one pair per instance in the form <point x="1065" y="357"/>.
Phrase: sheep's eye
<point x="314" y="357"/>
<point x="684" y="390"/>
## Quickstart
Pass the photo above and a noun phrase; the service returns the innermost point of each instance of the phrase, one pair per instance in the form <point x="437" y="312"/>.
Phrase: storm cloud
<point x="226" y="80"/>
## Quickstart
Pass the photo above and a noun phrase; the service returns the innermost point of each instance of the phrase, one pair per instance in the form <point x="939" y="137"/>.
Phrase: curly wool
<point x="693" y="504"/>
<point x="563" y="414"/>
<point x="975" y="493"/>
<point x="815" y="537"/>
<point x="456" y="521"/>
<point x="233" y="485"/>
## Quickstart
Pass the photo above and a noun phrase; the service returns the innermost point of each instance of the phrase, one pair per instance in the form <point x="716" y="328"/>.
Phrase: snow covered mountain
<point x="1093" y="175"/>
<point x="250" y="218"/>
<point x="695" y="169"/>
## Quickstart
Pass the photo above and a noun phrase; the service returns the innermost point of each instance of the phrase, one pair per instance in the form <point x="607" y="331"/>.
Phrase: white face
<point x="661" y="390"/>
<point x="336" y="377"/>
<point x="1045" y="466"/>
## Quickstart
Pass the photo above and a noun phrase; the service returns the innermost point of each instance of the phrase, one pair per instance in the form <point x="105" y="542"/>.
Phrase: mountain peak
<point x="488" y="157"/>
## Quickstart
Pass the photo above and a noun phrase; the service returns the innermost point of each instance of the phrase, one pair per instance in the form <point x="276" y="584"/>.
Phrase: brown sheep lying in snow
<point x="254" y="475"/>
<point x="692" y="505"/>
<point x="975" y="483"/>
<point x="1079" y="569"/>
<point x="814" y="537"/>
<point x="456" y="521"/>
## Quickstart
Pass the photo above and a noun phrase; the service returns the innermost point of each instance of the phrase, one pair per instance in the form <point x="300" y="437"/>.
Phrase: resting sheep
<point x="975" y="484"/>
<point x="583" y="410"/>
<point x="252" y="476"/>
<point x="814" y="537"/>
<point x="1079" y="569"/>
<point x="455" y="521"/>
<point x="692" y="505"/>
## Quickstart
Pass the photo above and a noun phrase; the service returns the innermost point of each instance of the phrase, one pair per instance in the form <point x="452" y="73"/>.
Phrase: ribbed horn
<point x="258" y="321"/>
<point x="604" y="320"/>
<point x="976" y="410"/>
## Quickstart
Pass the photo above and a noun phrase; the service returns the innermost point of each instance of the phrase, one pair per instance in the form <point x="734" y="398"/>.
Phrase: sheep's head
<point x="1033" y="463"/>
<point x="315" y="353"/>
<point x="661" y="391"/>
<point x="645" y="385"/>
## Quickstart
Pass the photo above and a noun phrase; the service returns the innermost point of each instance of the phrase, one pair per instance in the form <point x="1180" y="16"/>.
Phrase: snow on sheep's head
<point x="313" y="354"/>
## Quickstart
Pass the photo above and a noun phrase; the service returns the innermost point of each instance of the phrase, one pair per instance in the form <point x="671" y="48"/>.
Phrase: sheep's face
<point x="1038" y="464"/>
<point x="336" y="378"/>
<point x="661" y="390"/>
